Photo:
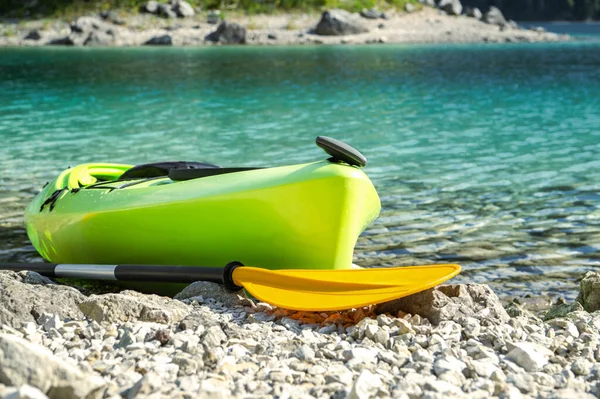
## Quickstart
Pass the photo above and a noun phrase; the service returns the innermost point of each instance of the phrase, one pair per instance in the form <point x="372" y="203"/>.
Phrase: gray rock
<point x="409" y="7"/>
<point x="365" y="386"/>
<point x="339" y="22"/>
<point x="21" y="302"/>
<point x="24" y="392"/>
<point x="561" y="309"/>
<point x="451" y="7"/>
<point x="23" y="362"/>
<point x="112" y="17"/>
<point x="228" y="33"/>
<point x="214" y="336"/>
<point x="162" y="40"/>
<point x="371" y="13"/>
<point x="49" y="321"/>
<point x="448" y="363"/>
<point x="589" y="292"/>
<point x="33" y="34"/>
<point x="338" y="373"/>
<point x="494" y="17"/>
<point x="428" y="3"/>
<point x="183" y="9"/>
<point x="126" y="339"/>
<point x="131" y="305"/>
<point x="213" y="17"/>
<point x="531" y="356"/>
<point x="61" y="41"/>
<point x="147" y="385"/>
<point x="151" y="7"/>
<point x="305" y="353"/>
<point x="215" y="291"/>
<point x="166" y="11"/>
<point x="98" y="38"/>
<point x="483" y="368"/>
<point x="88" y="24"/>
<point x="474" y="12"/>
<point x="451" y="302"/>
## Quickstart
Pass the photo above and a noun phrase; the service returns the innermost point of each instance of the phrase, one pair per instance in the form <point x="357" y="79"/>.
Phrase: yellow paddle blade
<point x="321" y="290"/>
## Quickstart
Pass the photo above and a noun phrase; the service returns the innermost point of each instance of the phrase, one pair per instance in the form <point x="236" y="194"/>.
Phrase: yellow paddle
<point x="305" y="289"/>
<point x="322" y="290"/>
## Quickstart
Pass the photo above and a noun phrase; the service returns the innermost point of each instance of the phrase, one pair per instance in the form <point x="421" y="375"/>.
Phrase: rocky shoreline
<point x="453" y="341"/>
<point x="447" y="22"/>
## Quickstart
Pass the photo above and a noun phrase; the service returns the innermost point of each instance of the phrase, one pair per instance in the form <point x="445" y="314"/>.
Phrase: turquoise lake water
<point x="485" y="155"/>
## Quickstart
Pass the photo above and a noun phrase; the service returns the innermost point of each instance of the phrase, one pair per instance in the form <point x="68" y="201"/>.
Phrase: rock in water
<point x="131" y="305"/>
<point x="21" y="302"/>
<point x="562" y="309"/>
<point x="23" y="362"/>
<point x="228" y="33"/>
<point x="339" y="22"/>
<point x="162" y="40"/>
<point x="474" y="12"/>
<point x="589" y="292"/>
<point x="183" y="9"/>
<point x="451" y="302"/>
<point x="494" y="16"/>
<point x="451" y="7"/>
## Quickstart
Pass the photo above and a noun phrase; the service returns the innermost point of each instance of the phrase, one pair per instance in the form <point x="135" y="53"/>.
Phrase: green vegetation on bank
<point x="65" y="8"/>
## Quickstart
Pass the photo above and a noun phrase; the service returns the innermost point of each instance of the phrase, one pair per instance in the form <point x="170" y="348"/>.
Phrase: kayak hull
<point x="305" y="216"/>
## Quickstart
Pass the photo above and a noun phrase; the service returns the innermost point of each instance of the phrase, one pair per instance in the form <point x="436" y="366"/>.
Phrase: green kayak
<point x="305" y="216"/>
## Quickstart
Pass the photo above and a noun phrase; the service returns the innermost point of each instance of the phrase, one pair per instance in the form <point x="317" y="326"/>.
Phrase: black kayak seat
<point x="178" y="170"/>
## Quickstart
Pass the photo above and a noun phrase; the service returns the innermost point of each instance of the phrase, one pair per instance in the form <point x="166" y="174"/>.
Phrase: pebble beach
<point x="453" y="341"/>
<point x="426" y="25"/>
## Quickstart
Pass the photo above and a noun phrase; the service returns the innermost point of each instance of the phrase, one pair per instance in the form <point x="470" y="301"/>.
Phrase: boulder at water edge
<point x="228" y="33"/>
<point x="589" y="292"/>
<point x="339" y="22"/>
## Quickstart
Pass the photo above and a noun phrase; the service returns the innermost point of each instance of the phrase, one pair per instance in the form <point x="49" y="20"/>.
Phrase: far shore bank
<point x="427" y="25"/>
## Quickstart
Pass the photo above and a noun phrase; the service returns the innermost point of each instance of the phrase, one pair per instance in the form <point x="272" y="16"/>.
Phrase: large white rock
<point x="531" y="356"/>
<point x="23" y="392"/>
<point x="365" y="386"/>
<point x="23" y="362"/>
<point x="131" y="306"/>
<point x="183" y="9"/>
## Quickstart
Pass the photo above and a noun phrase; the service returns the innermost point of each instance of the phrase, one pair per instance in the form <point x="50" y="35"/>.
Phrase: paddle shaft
<point x="145" y="273"/>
